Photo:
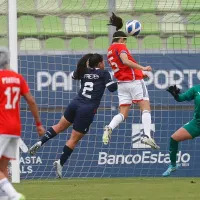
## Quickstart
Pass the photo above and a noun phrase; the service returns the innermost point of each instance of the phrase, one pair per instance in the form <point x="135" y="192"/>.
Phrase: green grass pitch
<point x="112" y="189"/>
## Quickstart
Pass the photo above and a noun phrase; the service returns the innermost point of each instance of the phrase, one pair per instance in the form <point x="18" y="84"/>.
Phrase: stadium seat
<point x="195" y="42"/>
<point x="150" y="24"/>
<point x="4" y="42"/>
<point x="101" y="43"/>
<point x="72" y="6"/>
<point x="75" y="25"/>
<point x="190" y="5"/>
<point x="132" y="43"/>
<point x="78" y="43"/>
<point x="54" y="44"/>
<point x="96" y="6"/>
<point x="124" y="6"/>
<point x="193" y="23"/>
<point x="4" y="25"/>
<point x="25" y="6"/>
<point x="144" y="5"/>
<point x="168" y="5"/>
<point x="3" y="7"/>
<point x="172" y="24"/>
<point x="151" y="42"/>
<point x="47" y="6"/>
<point x="98" y="24"/>
<point x="176" y="42"/>
<point x="51" y="25"/>
<point x="31" y="44"/>
<point x="27" y="26"/>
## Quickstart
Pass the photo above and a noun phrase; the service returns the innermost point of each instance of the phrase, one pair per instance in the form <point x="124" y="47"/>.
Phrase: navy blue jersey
<point x="93" y="84"/>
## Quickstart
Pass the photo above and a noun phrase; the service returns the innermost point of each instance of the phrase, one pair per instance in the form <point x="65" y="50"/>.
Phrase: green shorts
<point x="193" y="128"/>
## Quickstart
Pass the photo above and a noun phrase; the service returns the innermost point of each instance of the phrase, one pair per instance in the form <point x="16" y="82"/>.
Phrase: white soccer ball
<point x="133" y="27"/>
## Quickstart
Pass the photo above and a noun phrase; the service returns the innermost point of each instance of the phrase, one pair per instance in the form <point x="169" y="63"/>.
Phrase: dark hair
<point x="88" y="60"/>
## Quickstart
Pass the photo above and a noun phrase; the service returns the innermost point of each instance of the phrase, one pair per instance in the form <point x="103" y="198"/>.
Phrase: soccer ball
<point x="133" y="27"/>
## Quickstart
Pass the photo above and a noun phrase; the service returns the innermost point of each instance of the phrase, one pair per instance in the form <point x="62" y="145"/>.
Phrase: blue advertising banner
<point x="49" y="78"/>
<point x="125" y="156"/>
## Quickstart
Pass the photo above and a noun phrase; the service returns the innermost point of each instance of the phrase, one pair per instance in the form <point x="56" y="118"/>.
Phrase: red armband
<point x="38" y="124"/>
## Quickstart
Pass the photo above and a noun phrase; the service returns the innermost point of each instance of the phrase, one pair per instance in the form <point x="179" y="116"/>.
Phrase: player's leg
<point x="140" y="96"/>
<point x="187" y="132"/>
<point x="67" y="151"/>
<point x="62" y="125"/>
<point x="84" y="117"/>
<point x="8" y="149"/>
<point x="125" y="101"/>
<point x="146" y="121"/>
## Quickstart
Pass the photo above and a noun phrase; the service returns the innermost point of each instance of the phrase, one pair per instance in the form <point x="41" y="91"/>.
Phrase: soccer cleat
<point x="58" y="167"/>
<point x="150" y="141"/>
<point x="170" y="169"/>
<point x="33" y="150"/>
<point x="106" y="135"/>
<point x="19" y="196"/>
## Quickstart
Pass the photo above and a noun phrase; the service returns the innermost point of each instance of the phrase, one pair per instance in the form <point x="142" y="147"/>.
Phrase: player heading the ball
<point x="131" y="86"/>
<point x="82" y="109"/>
<point x="12" y="86"/>
<point x="190" y="130"/>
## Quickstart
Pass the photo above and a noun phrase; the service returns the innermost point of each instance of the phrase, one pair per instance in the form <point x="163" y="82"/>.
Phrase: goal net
<point x="53" y="35"/>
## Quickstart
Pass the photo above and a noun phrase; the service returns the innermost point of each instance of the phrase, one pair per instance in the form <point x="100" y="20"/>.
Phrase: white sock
<point x="7" y="187"/>
<point x="117" y="119"/>
<point x="146" y="121"/>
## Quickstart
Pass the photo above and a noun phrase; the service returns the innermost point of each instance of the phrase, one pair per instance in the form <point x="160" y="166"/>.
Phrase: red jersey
<point x="121" y="71"/>
<point x="12" y="86"/>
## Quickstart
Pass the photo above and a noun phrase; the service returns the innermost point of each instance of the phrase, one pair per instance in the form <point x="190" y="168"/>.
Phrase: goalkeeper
<point x="190" y="130"/>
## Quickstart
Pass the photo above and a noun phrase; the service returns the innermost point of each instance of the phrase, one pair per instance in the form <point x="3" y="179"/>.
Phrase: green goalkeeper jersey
<point x="192" y="94"/>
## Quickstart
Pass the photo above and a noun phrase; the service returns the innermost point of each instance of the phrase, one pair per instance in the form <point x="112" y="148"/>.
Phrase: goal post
<point x="12" y="37"/>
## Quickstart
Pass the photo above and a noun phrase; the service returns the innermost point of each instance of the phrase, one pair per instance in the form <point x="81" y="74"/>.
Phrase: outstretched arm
<point x="186" y="96"/>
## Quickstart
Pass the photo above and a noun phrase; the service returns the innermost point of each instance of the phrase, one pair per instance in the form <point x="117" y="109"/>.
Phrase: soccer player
<point x="12" y="86"/>
<point x="131" y="86"/>
<point x="81" y="111"/>
<point x="190" y="130"/>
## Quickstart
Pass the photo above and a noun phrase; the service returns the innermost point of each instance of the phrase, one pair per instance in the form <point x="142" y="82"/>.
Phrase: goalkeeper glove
<point x="174" y="91"/>
<point x="116" y="21"/>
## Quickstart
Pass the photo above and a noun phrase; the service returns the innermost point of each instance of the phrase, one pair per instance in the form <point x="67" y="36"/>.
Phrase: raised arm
<point x="186" y="96"/>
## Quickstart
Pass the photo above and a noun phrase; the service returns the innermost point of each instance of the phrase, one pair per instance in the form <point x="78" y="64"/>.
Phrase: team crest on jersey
<point x="91" y="76"/>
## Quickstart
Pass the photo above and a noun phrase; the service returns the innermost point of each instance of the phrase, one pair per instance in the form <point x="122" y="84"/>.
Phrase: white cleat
<point x="33" y="150"/>
<point x="150" y="141"/>
<point x="58" y="167"/>
<point x="19" y="196"/>
<point x="106" y="135"/>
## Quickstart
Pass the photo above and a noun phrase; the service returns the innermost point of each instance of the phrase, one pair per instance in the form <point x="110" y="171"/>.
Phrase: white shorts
<point x="132" y="92"/>
<point x="8" y="146"/>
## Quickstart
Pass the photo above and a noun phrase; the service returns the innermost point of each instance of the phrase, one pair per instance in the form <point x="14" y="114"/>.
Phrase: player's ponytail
<point x="116" y="21"/>
<point x="82" y="67"/>
<point x="4" y="57"/>
<point x="94" y="60"/>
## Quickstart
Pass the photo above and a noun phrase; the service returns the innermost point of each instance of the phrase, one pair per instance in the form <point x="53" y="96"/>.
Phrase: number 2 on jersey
<point x="88" y="86"/>
<point x="11" y="102"/>
<point x="113" y="65"/>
